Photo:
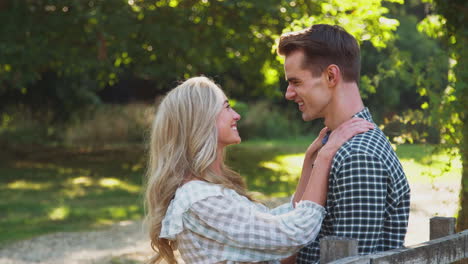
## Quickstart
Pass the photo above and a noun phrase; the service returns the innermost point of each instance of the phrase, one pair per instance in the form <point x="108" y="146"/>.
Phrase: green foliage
<point x="86" y="45"/>
<point x="411" y="127"/>
<point x="110" y="124"/>
<point x="93" y="126"/>
<point x="449" y="109"/>
<point x="398" y="77"/>
<point x="20" y="125"/>
<point x="350" y="14"/>
<point x="448" y="105"/>
<point x="265" y="120"/>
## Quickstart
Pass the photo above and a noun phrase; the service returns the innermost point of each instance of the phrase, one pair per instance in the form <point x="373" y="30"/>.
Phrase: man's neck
<point x="346" y="102"/>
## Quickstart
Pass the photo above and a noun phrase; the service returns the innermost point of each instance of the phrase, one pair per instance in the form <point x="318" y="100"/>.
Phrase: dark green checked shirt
<point x="368" y="196"/>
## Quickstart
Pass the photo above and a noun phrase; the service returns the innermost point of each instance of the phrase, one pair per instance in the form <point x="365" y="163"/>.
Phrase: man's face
<point x="312" y="94"/>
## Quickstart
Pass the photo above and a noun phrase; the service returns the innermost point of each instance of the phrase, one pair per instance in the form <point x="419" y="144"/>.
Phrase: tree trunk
<point x="462" y="221"/>
<point x="462" y="84"/>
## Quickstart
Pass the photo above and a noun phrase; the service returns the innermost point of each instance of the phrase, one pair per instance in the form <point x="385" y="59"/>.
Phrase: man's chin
<point x="306" y="117"/>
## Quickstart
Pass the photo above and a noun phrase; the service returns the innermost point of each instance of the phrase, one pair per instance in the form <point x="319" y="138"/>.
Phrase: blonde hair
<point x="183" y="143"/>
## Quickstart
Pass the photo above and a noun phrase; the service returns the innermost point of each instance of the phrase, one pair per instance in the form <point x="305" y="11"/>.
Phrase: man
<point x="368" y="196"/>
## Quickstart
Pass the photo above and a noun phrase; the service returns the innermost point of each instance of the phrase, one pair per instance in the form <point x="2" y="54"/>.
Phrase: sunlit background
<point x="81" y="80"/>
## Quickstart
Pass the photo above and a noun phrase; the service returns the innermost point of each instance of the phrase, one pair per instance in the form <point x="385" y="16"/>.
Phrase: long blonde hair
<point x="183" y="143"/>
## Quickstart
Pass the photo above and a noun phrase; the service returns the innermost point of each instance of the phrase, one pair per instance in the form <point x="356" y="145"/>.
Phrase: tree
<point x="395" y="78"/>
<point x="449" y="108"/>
<point x="60" y="53"/>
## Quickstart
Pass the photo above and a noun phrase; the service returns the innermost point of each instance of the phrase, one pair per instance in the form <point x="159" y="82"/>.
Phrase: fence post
<point x="333" y="248"/>
<point x="441" y="226"/>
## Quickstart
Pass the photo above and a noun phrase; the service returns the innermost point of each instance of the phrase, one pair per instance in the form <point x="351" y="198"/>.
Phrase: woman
<point x="199" y="206"/>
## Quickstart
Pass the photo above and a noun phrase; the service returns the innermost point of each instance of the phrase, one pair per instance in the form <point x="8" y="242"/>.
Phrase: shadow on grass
<point x="51" y="189"/>
<point x="428" y="163"/>
<point x="271" y="168"/>
<point x="45" y="189"/>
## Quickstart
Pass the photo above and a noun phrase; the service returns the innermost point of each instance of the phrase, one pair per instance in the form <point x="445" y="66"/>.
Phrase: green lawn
<point x="46" y="189"/>
<point x="273" y="167"/>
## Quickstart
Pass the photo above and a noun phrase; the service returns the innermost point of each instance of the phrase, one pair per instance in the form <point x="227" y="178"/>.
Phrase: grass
<point x="44" y="189"/>
<point x="273" y="167"/>
<point x="427" y="164"/>
<point x="52" y="189"/>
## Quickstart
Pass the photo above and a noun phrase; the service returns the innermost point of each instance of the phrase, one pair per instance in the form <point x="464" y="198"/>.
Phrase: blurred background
<point x="80" y="82"/>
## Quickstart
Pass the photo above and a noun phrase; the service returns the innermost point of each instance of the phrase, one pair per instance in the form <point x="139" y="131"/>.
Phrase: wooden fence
<point x="444" y="247"/>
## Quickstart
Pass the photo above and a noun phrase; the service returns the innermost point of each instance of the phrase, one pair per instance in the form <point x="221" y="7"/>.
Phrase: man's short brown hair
<point x="324" y="45"/>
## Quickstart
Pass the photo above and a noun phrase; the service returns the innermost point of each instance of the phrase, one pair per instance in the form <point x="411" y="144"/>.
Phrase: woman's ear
<point x="333" y="75"/>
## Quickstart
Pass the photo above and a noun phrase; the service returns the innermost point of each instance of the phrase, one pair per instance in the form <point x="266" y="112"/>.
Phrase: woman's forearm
<point x="317" y="185"/>
<point x="307" y="166"/>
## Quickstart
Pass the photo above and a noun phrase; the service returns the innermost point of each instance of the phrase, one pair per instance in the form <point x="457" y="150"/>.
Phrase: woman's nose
<point x="237" y="117"/>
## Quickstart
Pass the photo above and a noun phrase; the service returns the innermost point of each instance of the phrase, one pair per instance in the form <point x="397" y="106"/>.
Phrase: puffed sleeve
<point x="242" y="225"/>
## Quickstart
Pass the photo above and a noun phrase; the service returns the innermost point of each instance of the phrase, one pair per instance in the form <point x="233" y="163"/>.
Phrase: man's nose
<point x="290" y="93"/>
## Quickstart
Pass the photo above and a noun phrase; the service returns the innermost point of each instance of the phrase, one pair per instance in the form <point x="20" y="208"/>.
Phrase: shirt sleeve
<point x="243" y="225"/>
<point x="357" y="206"/>
<point x="281" y="209"/>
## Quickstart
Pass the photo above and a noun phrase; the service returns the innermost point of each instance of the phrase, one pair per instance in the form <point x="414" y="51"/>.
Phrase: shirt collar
<point x="364" y="114"/>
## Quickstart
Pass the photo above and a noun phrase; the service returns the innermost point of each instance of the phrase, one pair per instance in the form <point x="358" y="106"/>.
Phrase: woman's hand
<point x="343" y="133"/>
<point x="317" y="143"/>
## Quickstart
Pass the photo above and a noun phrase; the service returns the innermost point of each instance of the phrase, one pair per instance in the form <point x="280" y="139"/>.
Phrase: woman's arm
<point x="258" y="235"/>
<point x="309" y="159"/>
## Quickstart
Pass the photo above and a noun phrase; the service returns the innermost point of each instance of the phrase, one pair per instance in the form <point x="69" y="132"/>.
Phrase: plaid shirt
<point x="212" y="224"/>
<point x="368" y="197"/>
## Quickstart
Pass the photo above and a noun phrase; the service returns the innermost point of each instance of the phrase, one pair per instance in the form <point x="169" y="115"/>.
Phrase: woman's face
<point x="226" y="123"/>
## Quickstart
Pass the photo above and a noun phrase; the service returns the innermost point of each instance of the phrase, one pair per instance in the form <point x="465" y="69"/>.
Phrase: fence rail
<point x="444" y="247"/>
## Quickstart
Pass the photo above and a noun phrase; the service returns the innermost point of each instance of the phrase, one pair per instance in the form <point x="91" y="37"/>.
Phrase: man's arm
<point x="360" y="191"/>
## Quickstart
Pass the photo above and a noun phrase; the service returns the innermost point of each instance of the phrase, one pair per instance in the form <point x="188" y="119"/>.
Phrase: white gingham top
<point x="212" y="224"/>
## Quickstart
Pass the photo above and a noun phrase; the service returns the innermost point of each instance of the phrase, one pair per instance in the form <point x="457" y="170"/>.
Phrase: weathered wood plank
<point x="438" y="251"/>
<point x="353" y="260"/>
<point x="441" y="226"/>
<point x="333" y="248"/>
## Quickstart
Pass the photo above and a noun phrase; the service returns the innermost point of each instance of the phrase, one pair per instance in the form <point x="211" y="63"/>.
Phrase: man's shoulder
<point x="372" y="144"/>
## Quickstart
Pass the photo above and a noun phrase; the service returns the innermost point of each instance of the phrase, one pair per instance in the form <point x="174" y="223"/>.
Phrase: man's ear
<point x="333" y="75"/>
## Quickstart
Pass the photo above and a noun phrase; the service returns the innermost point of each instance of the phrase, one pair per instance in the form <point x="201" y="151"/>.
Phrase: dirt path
<point x="428" y="201"/>
<point x="126" y="243"/>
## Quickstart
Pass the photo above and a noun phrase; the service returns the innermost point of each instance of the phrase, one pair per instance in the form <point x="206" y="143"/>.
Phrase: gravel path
<point x="126" y="238"/>
<point x="126" y="242"/>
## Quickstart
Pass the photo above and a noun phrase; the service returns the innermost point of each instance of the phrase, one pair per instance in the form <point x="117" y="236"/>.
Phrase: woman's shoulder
<point x="198" y="190"/>
<point x="185" y="196"/>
